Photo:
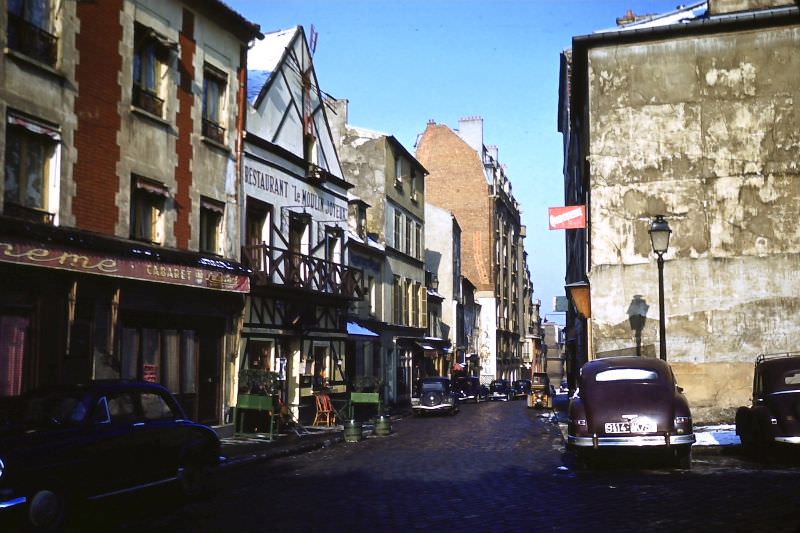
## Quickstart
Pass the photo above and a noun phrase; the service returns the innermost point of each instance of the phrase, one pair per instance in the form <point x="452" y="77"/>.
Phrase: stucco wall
<point x="705" y="131"/>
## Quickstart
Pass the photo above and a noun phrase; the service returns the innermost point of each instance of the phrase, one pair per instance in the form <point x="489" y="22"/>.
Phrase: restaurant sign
<point x="34" y="254"/>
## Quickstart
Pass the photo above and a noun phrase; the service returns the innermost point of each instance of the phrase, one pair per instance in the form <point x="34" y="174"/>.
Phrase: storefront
<point x="76" y="306"/>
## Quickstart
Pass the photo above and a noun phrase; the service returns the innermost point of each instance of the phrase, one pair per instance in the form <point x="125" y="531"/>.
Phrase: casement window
<point x="258" y="232"/>
<point x="408" y="249"/>
<point x="412" y="184"/>
<point x="299" y="248"/>
<point x="422" y="295"/>
<point x="214" y="84"/>
<point x="372" y="295"/>
<point x="31" y="169"/>
<point x="418" y="241"/>
<point x="414" y="299"/>
<point x="150" y="55"/>
<point x="397" y="300"/>
<point x="397" y="234"/>
<point x="212" y="214"/>
<point x="30" y="30"/>
<point x="147" y="210"/>
<point x="401" y="171"/>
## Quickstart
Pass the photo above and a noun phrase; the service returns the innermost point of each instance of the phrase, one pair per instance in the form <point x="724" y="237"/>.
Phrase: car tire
<point x="47" y="510"/>
<point x="683" y="458"/>
<point x="194" y="480"/>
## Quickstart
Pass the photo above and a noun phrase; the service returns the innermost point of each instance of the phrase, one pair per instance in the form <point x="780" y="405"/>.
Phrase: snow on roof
<point x="263" y="59"/>
<point x="681" y="15"/>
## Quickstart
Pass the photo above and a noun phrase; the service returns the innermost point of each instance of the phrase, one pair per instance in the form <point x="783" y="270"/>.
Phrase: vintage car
<point x="773" y="418"/>
<point x="64" y="444"/>
<point x="434" y="395"/>
<point x="499" y="389"/>
<point x="469" y="389"/>
<point x="629" y="403"/>
<point x="541" y="393"/>
<point x="521" y="387"/>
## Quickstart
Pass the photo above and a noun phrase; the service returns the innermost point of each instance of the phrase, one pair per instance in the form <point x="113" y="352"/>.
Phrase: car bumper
<point x="788" y="440"/>
<point x="631" y="441"/>
<point x="442" y="407"/>
<point x="7" y="502"/>
<point x="497" y="396"/>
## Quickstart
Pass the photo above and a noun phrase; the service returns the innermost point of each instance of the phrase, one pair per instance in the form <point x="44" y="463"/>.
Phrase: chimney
<point x="470" y="129"/>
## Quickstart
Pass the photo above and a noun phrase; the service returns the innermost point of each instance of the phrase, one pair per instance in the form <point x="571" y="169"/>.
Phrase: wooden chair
<point x="326" y="415"/>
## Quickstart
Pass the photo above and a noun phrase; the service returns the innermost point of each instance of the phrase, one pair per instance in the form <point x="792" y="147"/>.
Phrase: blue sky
<point x="401" y="63"/>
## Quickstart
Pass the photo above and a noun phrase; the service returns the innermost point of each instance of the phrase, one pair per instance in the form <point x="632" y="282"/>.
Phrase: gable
<point x="289" y="102"/>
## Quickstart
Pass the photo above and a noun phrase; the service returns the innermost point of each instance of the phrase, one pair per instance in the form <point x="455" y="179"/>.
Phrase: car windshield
<point x="432" y="386"/>
<point x="627" y="374"/>
<point x="49" y="409"/>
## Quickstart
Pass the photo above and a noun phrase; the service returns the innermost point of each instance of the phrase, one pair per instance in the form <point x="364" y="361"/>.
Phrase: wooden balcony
<point x="276" y="267"/>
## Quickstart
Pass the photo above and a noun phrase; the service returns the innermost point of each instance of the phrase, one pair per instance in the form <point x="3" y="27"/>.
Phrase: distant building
<point x="691" y="115"/>
<point x="467" y="179"/>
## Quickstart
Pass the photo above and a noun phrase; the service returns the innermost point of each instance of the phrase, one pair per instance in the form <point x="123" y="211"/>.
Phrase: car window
<point x="627" y="374"/>
<point x="155" y="407"/>
<point x="428" y="386"/>
<point x="55" y="409"/>
<point x="101" y="414"/>
<point x="121" y="407"/>
<point x="792" y="377"/>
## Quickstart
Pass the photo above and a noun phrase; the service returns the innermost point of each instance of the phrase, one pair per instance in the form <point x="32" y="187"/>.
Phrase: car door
<point x="166" y="432"/>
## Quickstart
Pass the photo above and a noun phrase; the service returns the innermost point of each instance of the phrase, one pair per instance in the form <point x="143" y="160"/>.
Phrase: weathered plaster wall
<point x="716" y="7"/>
<point x="705" y="131"/>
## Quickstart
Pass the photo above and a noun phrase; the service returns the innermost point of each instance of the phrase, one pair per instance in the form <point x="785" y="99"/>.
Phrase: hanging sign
<point x="569" y="217"/>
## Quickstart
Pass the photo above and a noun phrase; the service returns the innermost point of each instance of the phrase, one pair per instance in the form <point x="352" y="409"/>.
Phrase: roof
<point x="605" y="363"/>
<point x="264" y="57"/>
<point x="681" y="15"/>
<point x="225" y="15"/>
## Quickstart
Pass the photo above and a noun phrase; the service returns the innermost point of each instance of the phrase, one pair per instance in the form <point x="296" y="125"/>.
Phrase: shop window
<point x="167" y="356"/>
<point x="147" y="211"/>
<point x="13" y="335"/>
<point x="211" y="216"/>
<point x="30" y="30"/>
<point x="214" y="84"/>
<point x="150" y="55"/>
<point x="31" y="169"/>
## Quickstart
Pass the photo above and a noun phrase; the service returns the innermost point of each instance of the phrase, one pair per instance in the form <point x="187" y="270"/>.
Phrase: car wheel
<point x="195" y="480"/>
<point x="683" y="458"/>
<point x="47" y="510"/>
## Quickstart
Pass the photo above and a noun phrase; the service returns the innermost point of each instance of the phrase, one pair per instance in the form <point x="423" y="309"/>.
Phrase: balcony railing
<point x="31" y="40"/>
<point x="147" y="100"/>
<point x="213" y="131"/>
<point x="30" y="214"/>
<point x="277" y="267"/>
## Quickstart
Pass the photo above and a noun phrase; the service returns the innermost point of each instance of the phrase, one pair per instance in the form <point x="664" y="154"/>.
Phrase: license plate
<point x="634" y="426"/>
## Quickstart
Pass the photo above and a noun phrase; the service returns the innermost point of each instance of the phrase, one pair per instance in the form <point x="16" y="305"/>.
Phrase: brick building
<point x="119" y="141"/>
<point x="467" y="179"/>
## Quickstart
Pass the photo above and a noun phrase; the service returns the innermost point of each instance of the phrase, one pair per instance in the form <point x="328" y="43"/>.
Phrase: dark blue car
<point x="62" y="444"/>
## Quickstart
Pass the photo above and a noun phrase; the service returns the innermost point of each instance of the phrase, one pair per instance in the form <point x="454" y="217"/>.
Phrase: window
<point x="401" y="171"/>
<point x="627" y="374"/>
<point x="211" y="215"/>
<point x="155" y="407"/>
<point x="30" y="30"/>
<point x="165" y="356"/>
<point x="412" y="183"/>
<point x="409" y="236"/>
<point x="214" y="83"/>
<point x="418" y="241"/>
<point x="150" y="53"/>
<point x="31" y="169"/>
<point x="14" y="332"/>
<point x="397" y="300"/>
<point x="373" y="303"/>
<point x="258" y="224"/>
<point x="398" y="229"/>
<point x="147" y="211"/>
<point x="414" y="298"/>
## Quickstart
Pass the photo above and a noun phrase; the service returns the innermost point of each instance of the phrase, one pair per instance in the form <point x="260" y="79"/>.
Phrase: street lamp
<point x="659" y="239"/>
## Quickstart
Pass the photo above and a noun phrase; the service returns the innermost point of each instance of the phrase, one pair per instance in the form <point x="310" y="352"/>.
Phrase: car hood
<point x="619" y="402"/>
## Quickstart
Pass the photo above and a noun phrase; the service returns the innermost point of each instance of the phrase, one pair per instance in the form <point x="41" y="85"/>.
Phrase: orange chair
<point x="326" y="416"/>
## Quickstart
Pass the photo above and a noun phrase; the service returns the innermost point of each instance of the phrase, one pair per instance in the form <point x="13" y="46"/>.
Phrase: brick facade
<point x="98" y="118"/>
<point x="185" y="123"/>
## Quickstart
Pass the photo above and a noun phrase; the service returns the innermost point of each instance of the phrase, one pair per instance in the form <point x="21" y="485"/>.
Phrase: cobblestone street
<point x="493" y="467"/>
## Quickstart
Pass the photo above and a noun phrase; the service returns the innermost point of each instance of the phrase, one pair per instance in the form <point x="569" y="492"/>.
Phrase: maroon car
<point x="630" y="402"/>
<point x="773" y="416"/>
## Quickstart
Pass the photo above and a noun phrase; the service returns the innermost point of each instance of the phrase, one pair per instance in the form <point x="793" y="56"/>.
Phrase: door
<point x="208" y="406"/>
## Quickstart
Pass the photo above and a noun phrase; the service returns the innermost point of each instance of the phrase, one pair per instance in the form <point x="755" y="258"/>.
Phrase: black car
<point x="522" y="387"/>
<point x="499" y="389"/>
<point x="434" y="395"/>
<point x="772" y="421"/>
<point x="469" y="389"/>
<point x="63" y="444"/>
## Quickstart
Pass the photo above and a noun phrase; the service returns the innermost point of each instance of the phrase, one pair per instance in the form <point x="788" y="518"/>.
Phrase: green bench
<point x="253" y="402"/>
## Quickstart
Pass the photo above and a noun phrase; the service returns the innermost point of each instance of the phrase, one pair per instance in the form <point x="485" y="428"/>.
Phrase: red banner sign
<point x="35" y="254"/>
<point x="569" y="217"/>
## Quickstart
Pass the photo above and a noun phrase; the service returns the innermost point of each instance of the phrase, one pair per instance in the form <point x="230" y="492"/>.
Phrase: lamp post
<point x="659" y="239"/>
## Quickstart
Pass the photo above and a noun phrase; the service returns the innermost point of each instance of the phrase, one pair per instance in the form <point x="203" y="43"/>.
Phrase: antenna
<point x="312" y="39"/>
